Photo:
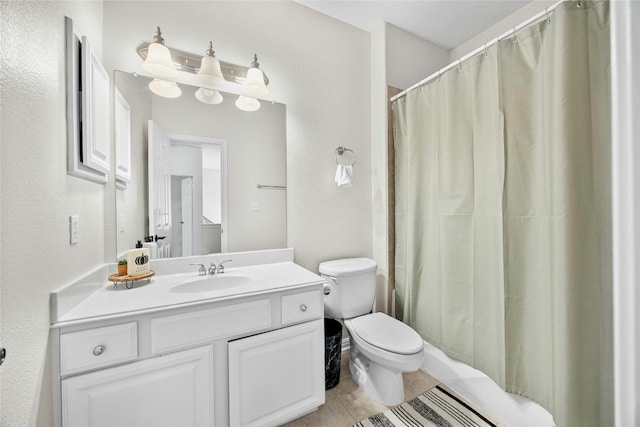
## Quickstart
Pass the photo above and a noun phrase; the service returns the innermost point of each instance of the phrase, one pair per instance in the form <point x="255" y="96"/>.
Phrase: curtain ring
<point x="514" y="37"/>
<point x="546" y="12"/>
<point x="459" y="65"/>
<point x="486" y="52"/>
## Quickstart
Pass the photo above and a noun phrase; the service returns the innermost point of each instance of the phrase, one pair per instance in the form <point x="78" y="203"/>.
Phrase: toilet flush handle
<point x="326" y="289"/>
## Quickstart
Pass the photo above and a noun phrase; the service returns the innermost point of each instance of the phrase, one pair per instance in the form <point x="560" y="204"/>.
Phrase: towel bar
<point x="272" y="187"/>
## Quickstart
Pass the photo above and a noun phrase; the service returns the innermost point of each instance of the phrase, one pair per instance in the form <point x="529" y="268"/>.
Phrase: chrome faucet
<point x="202" y="271"/>
<point x="221" y="266"/>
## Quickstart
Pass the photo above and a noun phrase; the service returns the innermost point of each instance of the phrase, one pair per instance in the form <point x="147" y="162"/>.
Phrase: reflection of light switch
<point x="73" y="229"/>
<point x="255" y="206"/>
<point x="121" y="220"/>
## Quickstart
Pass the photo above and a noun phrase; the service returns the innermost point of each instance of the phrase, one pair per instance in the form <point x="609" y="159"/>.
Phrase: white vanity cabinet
<point x="252" y="360"/>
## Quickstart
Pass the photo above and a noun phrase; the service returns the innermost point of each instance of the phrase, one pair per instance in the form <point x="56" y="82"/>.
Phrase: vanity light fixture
<point x="250" y="83"/>
<point x="254" y="83"/>
<point x="158" y="61"/>
<point x="165" y="88"/>
<point x="246" y="103"/>
<point x="209" y="96"/>
<point x="210" y="72"/>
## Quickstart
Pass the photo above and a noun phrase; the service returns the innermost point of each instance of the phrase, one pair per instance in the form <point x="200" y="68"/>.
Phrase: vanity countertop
<point x="110" y="301"/>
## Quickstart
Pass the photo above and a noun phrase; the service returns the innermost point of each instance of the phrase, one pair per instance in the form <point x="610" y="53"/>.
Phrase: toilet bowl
<point x="382" y="348"/>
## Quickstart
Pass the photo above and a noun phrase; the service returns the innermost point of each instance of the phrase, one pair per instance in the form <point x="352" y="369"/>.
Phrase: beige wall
<point x="38" y="196"/>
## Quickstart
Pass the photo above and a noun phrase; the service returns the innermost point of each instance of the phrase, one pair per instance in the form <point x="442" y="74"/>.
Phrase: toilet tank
<point x="352" y="286"/>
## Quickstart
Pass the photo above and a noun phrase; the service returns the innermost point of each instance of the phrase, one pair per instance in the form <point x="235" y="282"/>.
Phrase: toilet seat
<point x="386" y="333"/>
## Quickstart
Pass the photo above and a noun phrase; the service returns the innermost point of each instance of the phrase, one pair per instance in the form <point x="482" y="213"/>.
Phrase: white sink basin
<point x="213" y="283"/>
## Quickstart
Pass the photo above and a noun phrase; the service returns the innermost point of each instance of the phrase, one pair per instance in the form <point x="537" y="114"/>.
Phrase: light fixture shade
<point x="165" y="88"/>
<point x="158" y="61"/>
<point x="254" y="83"/>
<point x="210" y="72"/>
<point x="209" y="96"/>
<point x="247" y="104"/>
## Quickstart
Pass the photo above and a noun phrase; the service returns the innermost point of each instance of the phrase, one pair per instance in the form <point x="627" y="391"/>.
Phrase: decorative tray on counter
<point x="129" y="280"/>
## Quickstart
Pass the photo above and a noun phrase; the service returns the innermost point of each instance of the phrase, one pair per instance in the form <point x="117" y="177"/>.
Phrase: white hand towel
<point x="344" y="175"/>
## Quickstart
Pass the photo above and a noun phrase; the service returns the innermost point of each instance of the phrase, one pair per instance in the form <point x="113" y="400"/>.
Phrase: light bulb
<point x="209" y="96"/>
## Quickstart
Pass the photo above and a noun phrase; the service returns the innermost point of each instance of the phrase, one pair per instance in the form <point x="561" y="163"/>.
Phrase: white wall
<point x="318" y="66"/>
<point x="38" y="196"/>
<point x="410" y="59"/>
<point x="379" y="162"/>
<point x="521" y="15"/>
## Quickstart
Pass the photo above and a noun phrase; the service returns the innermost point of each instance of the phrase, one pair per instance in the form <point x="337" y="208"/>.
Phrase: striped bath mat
<point x="437" y="407"/>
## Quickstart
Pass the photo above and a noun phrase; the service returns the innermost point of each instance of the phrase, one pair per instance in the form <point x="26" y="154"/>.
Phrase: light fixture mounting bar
<point x="189" y="62"/>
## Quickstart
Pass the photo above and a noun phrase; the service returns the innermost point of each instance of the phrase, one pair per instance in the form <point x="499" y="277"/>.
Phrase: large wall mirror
<point x="202" y="178"/>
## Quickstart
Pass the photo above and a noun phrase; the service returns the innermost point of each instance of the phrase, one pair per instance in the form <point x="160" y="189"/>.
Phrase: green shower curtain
<point x="503" y="224"/>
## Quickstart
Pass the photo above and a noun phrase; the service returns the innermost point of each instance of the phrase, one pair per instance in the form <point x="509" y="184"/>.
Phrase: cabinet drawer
<point x="198" y="327"/>
<point x="99" y="347"/>
<point x="301" y="307"/>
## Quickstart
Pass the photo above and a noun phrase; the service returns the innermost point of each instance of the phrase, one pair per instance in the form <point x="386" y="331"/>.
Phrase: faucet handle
<point x="202" y="271"/>
<point x="212" y="269"/>
<point x="221" y="266"/>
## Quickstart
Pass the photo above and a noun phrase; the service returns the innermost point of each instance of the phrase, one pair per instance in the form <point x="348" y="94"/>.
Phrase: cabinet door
<point x="171" y="390"/>
<point x="276" y="376"/>
<point x="96" y="118"/>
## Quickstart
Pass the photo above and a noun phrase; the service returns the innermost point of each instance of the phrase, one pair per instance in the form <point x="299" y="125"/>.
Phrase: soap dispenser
<point x="138" y="260"/>
<point x="152" y="246"/>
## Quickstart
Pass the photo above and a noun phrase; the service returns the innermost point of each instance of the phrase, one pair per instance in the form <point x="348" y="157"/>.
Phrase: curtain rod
<point x="545" y="13"/>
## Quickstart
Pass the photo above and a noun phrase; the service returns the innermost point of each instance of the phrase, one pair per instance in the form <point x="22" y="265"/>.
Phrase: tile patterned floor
<point x="346" y="403"/>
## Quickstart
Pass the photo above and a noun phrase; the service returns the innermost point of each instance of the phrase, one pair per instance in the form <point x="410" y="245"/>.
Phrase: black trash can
<point x="332" y="352"/>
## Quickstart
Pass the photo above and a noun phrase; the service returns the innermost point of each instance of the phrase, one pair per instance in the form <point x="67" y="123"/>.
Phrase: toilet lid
<point x="387" y="333"/>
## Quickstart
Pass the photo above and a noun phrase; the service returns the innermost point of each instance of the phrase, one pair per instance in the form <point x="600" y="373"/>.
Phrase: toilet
<point x="382" y="348"/>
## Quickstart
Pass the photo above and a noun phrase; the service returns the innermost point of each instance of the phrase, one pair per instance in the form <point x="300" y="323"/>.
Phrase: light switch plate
<point x="73" y="229"/>
<point x="255" y="206"/>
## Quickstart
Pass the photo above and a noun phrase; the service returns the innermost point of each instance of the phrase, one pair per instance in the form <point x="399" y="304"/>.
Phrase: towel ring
<point x="340" y="151"/>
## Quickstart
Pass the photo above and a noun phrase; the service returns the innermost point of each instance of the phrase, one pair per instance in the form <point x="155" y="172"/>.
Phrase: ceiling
<point x="446" y="23"/>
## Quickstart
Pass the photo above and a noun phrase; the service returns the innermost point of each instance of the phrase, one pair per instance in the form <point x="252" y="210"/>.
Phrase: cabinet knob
<point x="98" y="350"/>
<point x="303" y="307"/>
